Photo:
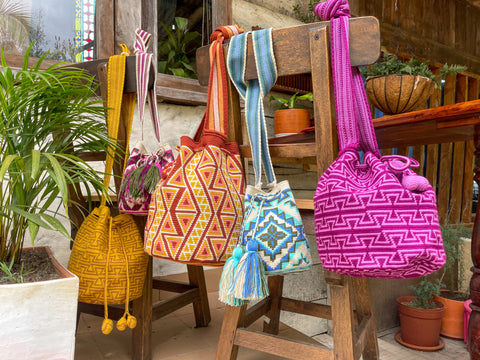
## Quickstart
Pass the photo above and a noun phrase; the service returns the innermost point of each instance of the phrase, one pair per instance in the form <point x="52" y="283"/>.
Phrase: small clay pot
<point x="395" y="94"/>
<point x="420" y="328"/>
<point x="290" y="121"/>
<point x="452" y="320"/>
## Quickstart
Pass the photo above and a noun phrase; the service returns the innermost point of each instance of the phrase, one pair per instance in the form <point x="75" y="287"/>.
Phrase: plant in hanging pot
<point x="421" y="317"/>
<point x="394" y="86"/>
<point x="288" y="119"/>
<point x="42" y="113"/>
<point x="451" y="295"/>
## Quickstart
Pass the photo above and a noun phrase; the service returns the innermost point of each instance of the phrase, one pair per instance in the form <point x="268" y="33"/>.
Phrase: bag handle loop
<point x="143" y="64"/>
<point x="354" y="120"/>
<point x="117" y="103"/>
<point x="216" y="113"/>
<point x="253" y="92"/>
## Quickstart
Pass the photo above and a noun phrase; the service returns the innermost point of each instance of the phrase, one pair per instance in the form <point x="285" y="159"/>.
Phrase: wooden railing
<point x="449" y="165"/>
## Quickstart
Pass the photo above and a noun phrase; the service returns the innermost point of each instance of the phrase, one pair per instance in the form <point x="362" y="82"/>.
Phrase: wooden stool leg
<point x="363" y="306"/>
<point x="275" y="287"/>
<point x="201" y="308"/>
<point x="233" y="318"/>
<point x="343" y="325"/>
<point x="142" y="310"/>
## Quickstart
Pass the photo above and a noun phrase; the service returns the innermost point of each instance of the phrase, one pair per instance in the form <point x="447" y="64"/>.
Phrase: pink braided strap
<point x="143" y="65"/>
<point x="354" y="120"/>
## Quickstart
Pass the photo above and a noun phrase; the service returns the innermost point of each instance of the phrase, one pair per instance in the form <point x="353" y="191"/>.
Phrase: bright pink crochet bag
<point x="375" y="218"/>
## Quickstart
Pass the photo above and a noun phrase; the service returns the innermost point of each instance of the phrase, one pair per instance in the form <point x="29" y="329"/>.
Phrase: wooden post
<point x="474" y="323"/>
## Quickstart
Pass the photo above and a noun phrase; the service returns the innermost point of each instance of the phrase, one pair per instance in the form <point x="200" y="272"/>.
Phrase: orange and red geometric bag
<point x="196" y="211"/>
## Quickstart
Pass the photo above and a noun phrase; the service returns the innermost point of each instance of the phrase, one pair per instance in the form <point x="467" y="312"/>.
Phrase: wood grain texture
<point x="323" y="105"/>
<point x="201" y="308"/>
<point x="343" y="323"/>
<point x="141" y="309"/>
<point x="275" y="287"/>
<point x="307" y="308"/>
<point x="444" y="181"/>
<point x="278" y="346"/>
<point x="292" y="46"/>
<point x="367" y="344"/>
<point x="232" y="319"/>
<point x="105" y="28"/>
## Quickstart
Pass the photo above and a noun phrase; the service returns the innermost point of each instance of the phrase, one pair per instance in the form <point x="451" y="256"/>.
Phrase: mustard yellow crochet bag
<point x="107" y="254"/>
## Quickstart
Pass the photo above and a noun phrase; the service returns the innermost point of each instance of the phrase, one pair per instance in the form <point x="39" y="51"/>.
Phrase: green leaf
<point x="179" y="72"/>
<point x="6" y="164"/>
<point x="35" y="163"/>
<point x="35" y="218"/>
<point x="33" y="230"/>
<point x="181" y="24"/>
<point x="56" y="224"/>
<point x="60" y="177"/>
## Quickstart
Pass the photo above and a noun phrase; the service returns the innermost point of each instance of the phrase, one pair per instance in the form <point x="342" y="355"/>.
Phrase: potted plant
<point x="287" y="118"/>
<point x="176" y="52"/>
<point x="42" y="113"/>
<point x="421" y="317"/>
<point x="394" y="86"/>
<point x="451" y="296"/>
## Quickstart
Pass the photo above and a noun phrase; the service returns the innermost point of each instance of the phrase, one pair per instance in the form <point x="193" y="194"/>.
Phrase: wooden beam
<point x="177" y="302"/>
<point x="292" y="45"/>
<point x="105" y="29"/>
<point x="279" y="346"/>
<point x="306" y="308"/>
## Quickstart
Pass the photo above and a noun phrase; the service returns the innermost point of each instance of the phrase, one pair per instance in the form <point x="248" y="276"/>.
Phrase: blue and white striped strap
<point x="253" y="93"/>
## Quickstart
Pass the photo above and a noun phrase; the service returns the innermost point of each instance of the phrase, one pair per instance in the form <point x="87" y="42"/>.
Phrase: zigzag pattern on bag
<point x="88" y="259"/>
<point x="375" y="227"/>
<point x="196" y="211"/>
<point x="274" y="221"/>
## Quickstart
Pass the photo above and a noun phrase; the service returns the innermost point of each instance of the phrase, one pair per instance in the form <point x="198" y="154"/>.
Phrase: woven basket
<point x="395" y="94"/>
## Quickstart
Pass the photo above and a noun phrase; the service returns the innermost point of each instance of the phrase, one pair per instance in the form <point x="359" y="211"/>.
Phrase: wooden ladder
<point x="298" y="50"/>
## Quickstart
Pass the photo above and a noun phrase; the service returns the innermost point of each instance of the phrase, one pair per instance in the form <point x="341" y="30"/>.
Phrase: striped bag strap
<point x="216" y="114"/>
<point x="144" y="63"/>
<point x="253" y="91"/>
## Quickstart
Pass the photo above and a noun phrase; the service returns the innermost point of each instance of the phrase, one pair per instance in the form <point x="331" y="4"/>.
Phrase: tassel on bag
<point x="226" y="280"/>
<point x="250" y="282"/>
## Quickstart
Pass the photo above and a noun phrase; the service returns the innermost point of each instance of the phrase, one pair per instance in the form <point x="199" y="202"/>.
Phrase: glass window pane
<point x="64" y="28"/>
<point x="183" y="26"/>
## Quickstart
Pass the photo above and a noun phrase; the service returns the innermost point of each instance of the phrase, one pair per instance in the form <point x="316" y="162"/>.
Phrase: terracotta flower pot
<point x="394" y="94"/>
<point x="419" y="328"/>
<point x="290" y="121"/>
<point x="452" y="321"/>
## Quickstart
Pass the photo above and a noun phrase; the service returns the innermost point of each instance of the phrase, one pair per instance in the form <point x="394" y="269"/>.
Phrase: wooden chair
<point x="194" y="292"/>
<point x="305" y="49"/>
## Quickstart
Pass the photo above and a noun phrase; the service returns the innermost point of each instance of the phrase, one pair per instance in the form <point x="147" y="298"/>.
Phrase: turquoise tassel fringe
<point x="250" y="282"/>
<point x="226" y="280"/>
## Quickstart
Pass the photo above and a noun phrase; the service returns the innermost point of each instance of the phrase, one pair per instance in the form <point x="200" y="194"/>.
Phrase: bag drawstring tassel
<point x="250" y="282"/>
<point x="152" y="177"/>
<point x="226" y="280"/>
<point x="127" y="319"/>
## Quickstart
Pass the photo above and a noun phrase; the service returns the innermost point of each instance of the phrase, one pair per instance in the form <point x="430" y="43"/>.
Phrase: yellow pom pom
<point x="107" y="326"/>
<point x="131" y="321"/>
<point x="122" y="324"/>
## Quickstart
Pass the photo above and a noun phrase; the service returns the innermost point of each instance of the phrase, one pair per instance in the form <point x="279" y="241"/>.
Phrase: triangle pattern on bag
<point x="204" y="252"/>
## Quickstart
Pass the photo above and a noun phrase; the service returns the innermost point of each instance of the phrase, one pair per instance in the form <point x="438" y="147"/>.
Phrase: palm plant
<point x="42" y="113"/>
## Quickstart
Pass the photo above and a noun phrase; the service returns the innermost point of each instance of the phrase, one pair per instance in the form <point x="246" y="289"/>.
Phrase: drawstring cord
<point x="107" y="325"/>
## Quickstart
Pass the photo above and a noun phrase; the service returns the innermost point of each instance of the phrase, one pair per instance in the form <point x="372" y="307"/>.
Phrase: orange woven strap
<point x="118" y="104"/>
<point x="217" y="103"/>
